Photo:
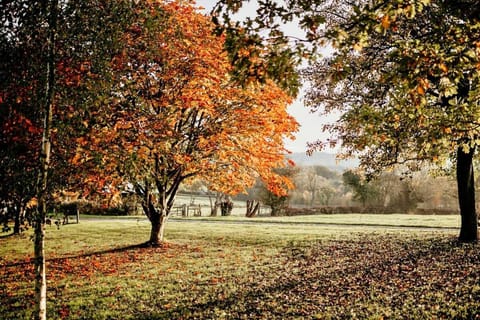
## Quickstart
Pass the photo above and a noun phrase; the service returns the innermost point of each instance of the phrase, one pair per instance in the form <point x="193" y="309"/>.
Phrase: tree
<point x="26" y="96"/>
<point x="363" y="190"/>
<point x="55" y="50"/>
<point x="22" y="89"/>
<point x="410" y="86"/>
<point x="407" y="90"/>
<point x="326" y="192"/>
<point x="176" y="114"/>
<point x="45" y="152"/>
<point x="316" y="185"/>
<point x="312" y="184"/>
<point x="277" y="202"/>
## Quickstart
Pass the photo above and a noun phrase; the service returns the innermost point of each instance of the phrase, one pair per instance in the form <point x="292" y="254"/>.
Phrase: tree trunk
<point x="215" y="205"/>
<point x="252" y="208"/>
<point x="158" y="230"/>
<point x="466" y="196"/>
<point x="40" y="273"/>
<point x="17" y="221"/>
<point x="42" y="183"/>
<point x="274" y="211"/>
<point x="226" y="208"/>
<point x="214" y="209"/>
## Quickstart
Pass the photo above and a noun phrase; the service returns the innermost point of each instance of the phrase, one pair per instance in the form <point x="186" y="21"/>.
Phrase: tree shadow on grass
<point x="19" y="274"/>
<point x="8" y="235"/>
<point x="30" y="261"/>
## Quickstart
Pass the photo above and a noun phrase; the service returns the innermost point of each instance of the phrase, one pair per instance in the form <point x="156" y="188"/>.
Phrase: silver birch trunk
<point x="39" y="221"/>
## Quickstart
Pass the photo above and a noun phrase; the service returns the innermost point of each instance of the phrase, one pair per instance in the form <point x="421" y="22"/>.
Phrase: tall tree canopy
<point x="176" y="113"/>
<point x="22" y="83"/>
<point x="406" y="88"/>
<point x="403" y="75"/>
<point x="87" y="34"/>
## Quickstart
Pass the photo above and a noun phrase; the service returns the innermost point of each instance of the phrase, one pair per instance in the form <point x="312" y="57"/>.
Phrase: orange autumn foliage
<point x="187" y="114"/>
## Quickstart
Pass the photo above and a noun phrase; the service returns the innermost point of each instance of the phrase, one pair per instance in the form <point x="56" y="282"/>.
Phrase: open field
<point x="353" y="219"/>
<point x="272" y="269"/>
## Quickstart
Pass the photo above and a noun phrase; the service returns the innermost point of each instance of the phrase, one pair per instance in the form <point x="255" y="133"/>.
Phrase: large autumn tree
<point x="177" y="113"/>
<point x="403" y="75"/>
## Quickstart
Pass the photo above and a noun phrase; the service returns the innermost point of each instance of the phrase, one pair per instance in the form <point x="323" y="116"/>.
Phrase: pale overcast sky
<point x="310" y="124"/>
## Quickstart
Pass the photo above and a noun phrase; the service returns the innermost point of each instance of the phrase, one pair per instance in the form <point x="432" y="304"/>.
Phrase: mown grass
<point x="393" y="220"/>
<point x="231" y="270"/>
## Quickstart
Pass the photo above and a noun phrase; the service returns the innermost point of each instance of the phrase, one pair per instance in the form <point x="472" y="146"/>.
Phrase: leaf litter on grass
<point x="367" y="276"/>
<point x="364" y="277"/>
<point x="374" y="277"/>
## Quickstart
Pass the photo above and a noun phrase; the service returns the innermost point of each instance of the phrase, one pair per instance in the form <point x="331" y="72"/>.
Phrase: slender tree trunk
<point x="17" y="222"/>
<point x="466" y="196"/>
<point x="40" y="272"/>
<point x="252" y="208"/>
<point x="214" y="209"/>
<point x="39" y="221"/>
<point x="213" y="206"/>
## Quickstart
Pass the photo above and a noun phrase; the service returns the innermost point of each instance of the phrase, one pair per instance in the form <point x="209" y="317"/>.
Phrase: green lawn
<point x="293" y="268"/>
<point x="429" y="221"/>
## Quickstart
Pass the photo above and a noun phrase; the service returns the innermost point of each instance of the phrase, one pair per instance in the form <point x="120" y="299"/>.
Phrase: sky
<point x="310" y="123"/>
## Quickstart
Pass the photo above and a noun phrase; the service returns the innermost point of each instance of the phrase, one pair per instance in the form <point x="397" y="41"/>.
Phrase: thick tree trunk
<point x="158" y="230"/>
<point x="466" y="196"/>
<point x="226" y="208"/>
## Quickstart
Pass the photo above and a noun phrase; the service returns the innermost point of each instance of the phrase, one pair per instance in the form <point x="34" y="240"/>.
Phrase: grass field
<point x="325" y="267"/>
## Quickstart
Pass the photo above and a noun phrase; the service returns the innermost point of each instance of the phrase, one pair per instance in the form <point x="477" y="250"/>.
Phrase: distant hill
<point x="323" y="159"/>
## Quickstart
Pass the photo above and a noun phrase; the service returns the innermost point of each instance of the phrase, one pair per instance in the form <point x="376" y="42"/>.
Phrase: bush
<point x="94" y="208"/>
